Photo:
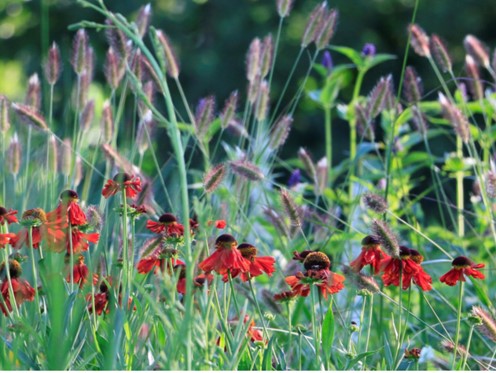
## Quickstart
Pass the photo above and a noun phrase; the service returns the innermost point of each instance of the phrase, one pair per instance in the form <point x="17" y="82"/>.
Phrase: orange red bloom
<point x="371" y="254"/>
<point x="462" y="266"/>
<point x="7" y="216"/>
<point x="226" y="258"/>
<point x="258" y="264"/>
<point x="79" y="272"/>
<point x="68" y="210"/>
<point x="157" y="260"/>
<point x="122" y="181"/>
<point x="318" y="273"/>
<point x="22" y="290"/>
<point x="167" y="224"/>
<point x="5" y="239"/>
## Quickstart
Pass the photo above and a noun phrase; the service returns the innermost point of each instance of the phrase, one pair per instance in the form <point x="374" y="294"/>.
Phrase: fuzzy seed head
<point x="377" y="98"/>
<point x="375" y="203"/>
<point x="290" y="208"/>
<point x="419" y="41"/>
<point x="107" y="122"/>
<point x="307" y="163"/>
<point x="86" y="116"/>
<point x="361" y="281"/>
<point x="214" y="177"/>
<point x="277" y="221"/>
<point x="253" y="60"/>
<point x="30" y="116"/>
<point x="440" y="54"/>
<point x="327" y="29"/>
<point x="145" y="126"/>
<point x="247" y="170"/>
<point x="475" y="48"/>
<point x="52" y="154"/>
<point x="80" y="51"/>
<point x="33" y="95"/>
<point x="14" y="158"/>
<point x="66" y="161"/>
<point x="204" y="116"/>
<point x="284" y="7"/>
<point x="266" y="55"/>
<point x="229" y="110"/>
<point x="475" y="84"/>
<point x="143" y="19"/>
<point x="117" y="40"/>
<point x="322" y="176"/>
<point x="314" y="24"/>
<point x="455" y="117"/>
<point x="78" y="171"/>
<point x="413" y="89"/>
<point x="280" y="131"/>
<point x="262" y="107"/>
<point x="419" y="120"/>
<point x="114" y="68"/>
<point x="491" y="184"/>
<point x="365" y="126"/>
<point x="388" y="240"/>
<point x="170" y="56"/>
<point x="52" y="65"/>
<point x="487" y="325"/>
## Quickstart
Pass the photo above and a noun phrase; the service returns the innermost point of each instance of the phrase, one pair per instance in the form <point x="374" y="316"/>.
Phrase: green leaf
<point x="353" y="55"/>
<point x="267" y="358"/>
<point x="356" y="359"/>
<point x="377" y="59"/>
<point x="328" y="327"/>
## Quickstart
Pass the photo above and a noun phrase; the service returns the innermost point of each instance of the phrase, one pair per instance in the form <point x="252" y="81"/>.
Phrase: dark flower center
<point x="316" y="261"/>
<point x="167" y="218"/>
<point x="405" y="252"/>
<point x="122" y="177"/>
<point x="35" y="214"/>
<point x="247" y="251"/>
<point x="226" y="241"/>
<point x="416" y="256"/>
<point x="461" y="261"/>
<point x="370" y="241"/>
<point x="68" y="195"/>
<point x="3" y="211"/>
<point x="15" y="269"/>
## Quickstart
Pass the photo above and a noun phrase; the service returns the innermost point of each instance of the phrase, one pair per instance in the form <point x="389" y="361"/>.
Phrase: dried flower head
<point x="388" y="240"/>
<point x="214" y="177"/>
<point x="440" y="53"/>
<point x="419" y="40"/>
<point x="413" y="89"/>
<point x="375" y="203"/>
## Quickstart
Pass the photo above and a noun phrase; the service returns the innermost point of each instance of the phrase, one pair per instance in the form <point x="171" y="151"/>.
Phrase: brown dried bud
<point x="4" y="115"/>
<point x="86" y="116"/>
<point x="477" y="50"/>
<point x="107" y="122"/>
<point x="143" y="19"/>
<point x="284" y="7"/>
<point x="114" y="69"/>
<point x="14" y="153"/>
<point x="52" y="66"/>
<point x="327" y="29"/>
<point x="80" y="52"/>
<point x="280" y="132"/>
<point x="388" y="240"/>
<point x="30" y="115"/>
<point x="33" y="95"/>
<point x="412" y="89"/>
<point x="247" y="170"/>
<point x="214" y="177"/>
<point x="455" y="117"/>
<point x="440" y="53"/>
<point x="229" y="110"/>
<point x="419" y="41"/>
<point x="262" y="107"/>
<point x="473" y="74"/>
<point x="290" y="208"/>
<point x="170" y="56"/>
<point x="313" y="25"/>
<point x="253" y="60"/>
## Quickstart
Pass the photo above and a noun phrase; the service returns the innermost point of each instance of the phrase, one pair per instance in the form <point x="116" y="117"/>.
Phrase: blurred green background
<point x="212" y="36"/>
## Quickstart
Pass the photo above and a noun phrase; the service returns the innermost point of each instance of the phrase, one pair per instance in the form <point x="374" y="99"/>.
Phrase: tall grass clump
<point x="139" y="231"/>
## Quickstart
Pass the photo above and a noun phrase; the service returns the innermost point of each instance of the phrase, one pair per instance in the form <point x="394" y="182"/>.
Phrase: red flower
<point x="122" y="181"/>
<point x="462" y="266"/>
<point x="80" y="241"/>
<point x="198" y="281"/>
<point x="41" y="229"/>
<point x="167" y="224"/>
<point x="371" y="254"/>
<point x="101" y="303"/>
<point x="285" y="296"/>
<point x="408" y="268"/>
<point x="421" y="278"/>
<point x="23" y="291"/>
<point x="219" y="224"/>
<point x="5" y="239"/>
<point x="68" y="210"/>
<point x="226" y="257"/>
<point x="254" y="334"/>
<point x="258" y="265"/>
<point x="8" y="216"/>
<point x="318" y="272"/>
<point x="80" y="272"/>
<point x="157" y="260"/>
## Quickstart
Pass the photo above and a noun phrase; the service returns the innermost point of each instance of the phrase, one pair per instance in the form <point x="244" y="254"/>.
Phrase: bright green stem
<point x="258" y="308"/>
<point x="465" y="357"/>
<point x="28" y="160"/>
<point x="233" y="294"/>
<point x="35" y="273"/>
<point x="459" y="190"/>
<point x="458" y="322"/>
<point x="125" y="248"/>
<point x="369" y="327"/>
<point x="276" y="47"/>
<point x="71" y="263"/>
<point x="328" y="140"/>
<point x="315" y="331"/>
<point x="290" y="326"/>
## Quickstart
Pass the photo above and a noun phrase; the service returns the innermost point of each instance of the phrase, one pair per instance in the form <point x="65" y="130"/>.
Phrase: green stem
<point x="258" y="308"/>
<point x="328" y="140"/>
<point x="125" y="249"/>
<point x="316" y="338"/>
<point x="458" y="322"/>
<point x="369" y="327"/>
<point x="35" y="274"/>
<point x="71" y="263"/>
<point x="13" y="302"/>
<point x="459" y="190"/>
<point x="233" y="294"/>
<point x="465" y="357"/>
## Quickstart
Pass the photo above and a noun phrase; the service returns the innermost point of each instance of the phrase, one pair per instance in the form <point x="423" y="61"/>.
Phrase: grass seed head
<point x="440" y="54"/>
<point x="388" y="240"/>
<point x="419" y="41"/>
<point x="475" y="48"/>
